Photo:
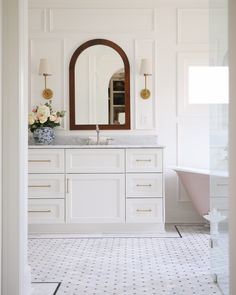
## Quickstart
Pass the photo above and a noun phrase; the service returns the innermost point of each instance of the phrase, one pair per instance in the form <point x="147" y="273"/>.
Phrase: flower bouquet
<point x="41" y="122"/>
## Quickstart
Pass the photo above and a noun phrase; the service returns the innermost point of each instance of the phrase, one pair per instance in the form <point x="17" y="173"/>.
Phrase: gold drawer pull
<point x="143" y="185"/>
<point x="143" y="160"/>
<point x="144" y="210"/>
<point x="39" y="211"/>
<point x="39" y="161"/>
<point x="40" y="185"/>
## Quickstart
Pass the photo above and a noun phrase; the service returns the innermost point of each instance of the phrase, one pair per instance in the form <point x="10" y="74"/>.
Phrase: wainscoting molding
<point x="53" y="49"/>
<point x="192" y="25"/>
<point x="145" y="109"/>
<point x="37" y="19"/>
<point x="119" y="20"/>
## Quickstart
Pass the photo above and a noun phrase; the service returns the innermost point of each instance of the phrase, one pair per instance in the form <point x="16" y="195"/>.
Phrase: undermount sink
<point x="92" y="140"/>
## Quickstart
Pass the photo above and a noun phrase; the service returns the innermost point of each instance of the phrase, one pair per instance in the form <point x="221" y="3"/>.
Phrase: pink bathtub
<point x="197" y="185"/>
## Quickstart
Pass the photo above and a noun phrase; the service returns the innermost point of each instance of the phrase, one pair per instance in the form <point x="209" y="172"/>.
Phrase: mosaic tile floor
<point x="131" y="266"/>
<point x="44" y="288"/>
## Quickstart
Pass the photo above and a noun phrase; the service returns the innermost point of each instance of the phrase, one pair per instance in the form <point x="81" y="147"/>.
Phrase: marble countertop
<point x="70" y="142"/>
<point x="99" y="146"/>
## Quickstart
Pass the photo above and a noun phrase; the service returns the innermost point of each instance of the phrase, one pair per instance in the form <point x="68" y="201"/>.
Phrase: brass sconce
<point x="43" y="71"/>
<point x="145" y="70"/>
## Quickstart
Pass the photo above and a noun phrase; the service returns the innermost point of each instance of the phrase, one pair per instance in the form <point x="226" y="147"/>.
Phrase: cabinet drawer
<point x="144" y="160"/>
<point x="147" y="185"/>
<point x="138" y="210"/>
<point x="46" y="161"/>
<point x="46" y="186"/>
<point x="46" y="211"/>
<point x="95" y="160"/>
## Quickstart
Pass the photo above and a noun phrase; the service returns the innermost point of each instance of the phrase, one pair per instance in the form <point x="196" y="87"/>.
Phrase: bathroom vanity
<point x="81" y="188"/>
<point x="86" y="186"/>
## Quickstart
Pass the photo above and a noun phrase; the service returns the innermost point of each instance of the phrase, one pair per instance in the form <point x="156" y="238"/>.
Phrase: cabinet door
<point x="95" y="198"/>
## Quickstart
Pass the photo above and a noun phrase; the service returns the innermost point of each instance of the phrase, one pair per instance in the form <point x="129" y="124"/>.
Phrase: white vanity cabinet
<point x="95" y="198"/>
<point x="144" y="160"/>
<point x="89" y="185"/>
<point x="46" y="186"/>
<point x="46" y="161"/>
<point x="46" y="211"/>
<point x="95" y="160"/>
<point x="144" y="185"/>
<point x="95" y="185"/>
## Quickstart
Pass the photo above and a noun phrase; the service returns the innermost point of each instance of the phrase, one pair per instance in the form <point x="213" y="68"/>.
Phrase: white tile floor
<point x="44" y="288"/>
<point x="170" y="266"/>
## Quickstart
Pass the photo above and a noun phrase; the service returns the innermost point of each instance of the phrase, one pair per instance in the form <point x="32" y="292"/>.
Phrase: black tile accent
<point x="178" y="231"/>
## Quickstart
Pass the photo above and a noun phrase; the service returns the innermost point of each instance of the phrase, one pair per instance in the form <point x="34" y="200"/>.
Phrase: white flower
<point x="31" y="118"/>
<point x="43" y="111"/>
<point x="58" y="120"/>
<point x="53" y="118"/>
<point x="43" y="119"/>
<point x="44" y="115"/>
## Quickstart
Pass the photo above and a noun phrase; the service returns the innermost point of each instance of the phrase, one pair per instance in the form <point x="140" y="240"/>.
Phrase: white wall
<point x="173" y="33"/>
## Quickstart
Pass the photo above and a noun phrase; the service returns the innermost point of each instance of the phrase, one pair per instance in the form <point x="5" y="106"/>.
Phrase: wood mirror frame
<point x="78" y="51"/>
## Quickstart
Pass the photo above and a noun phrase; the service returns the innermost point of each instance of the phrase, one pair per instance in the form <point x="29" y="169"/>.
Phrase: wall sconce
<point x="43" y="71"/>
<point x="146" y="70"/>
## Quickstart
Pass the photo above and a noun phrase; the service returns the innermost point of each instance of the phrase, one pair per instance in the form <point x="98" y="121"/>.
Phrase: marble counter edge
<point x="128" y="146"/>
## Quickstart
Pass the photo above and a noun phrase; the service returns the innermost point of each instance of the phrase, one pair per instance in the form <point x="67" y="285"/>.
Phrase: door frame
<point x="14" y="81"/>
<point x="232" y="144"/>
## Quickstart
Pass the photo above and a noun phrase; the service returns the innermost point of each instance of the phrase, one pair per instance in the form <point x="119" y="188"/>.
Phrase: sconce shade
<point x="146" y="67"/>
<point x="43" y="66"/>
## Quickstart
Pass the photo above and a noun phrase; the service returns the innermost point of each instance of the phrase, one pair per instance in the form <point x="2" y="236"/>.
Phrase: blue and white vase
<point x="44" y="135"/>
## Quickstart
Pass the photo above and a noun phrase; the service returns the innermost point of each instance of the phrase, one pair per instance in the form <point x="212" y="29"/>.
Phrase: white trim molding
<point x="15" y="276"/>
<point x="1" y="44"/>
<point x="232" y="145"/>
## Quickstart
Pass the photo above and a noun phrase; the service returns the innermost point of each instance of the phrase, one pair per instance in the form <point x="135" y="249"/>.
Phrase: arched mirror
<point x="99" y="76"/>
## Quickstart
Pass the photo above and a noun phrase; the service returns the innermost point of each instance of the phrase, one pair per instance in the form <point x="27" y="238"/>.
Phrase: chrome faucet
<point x="98" y="133"/>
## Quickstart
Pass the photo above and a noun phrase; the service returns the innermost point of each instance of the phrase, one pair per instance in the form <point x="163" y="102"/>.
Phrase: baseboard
<point x="96" y="228"/>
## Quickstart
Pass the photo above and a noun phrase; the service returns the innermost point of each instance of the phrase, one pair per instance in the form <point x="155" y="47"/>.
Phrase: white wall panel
<point x="89" y="20"/>
<point x="192" y="119"/>
<point x="193" y="25"/>
<point x="184" y="61"/>
<point x="172" y="33"/>
<point x="193" y="142"/>
<point x="37" y="19"/>
<point x="145" y="108"/>
<point x="53" y="49"/>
